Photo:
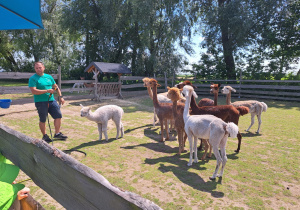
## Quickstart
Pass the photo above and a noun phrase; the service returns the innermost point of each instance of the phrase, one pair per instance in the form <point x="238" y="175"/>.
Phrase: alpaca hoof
<point x="189" y="164"/>
<point x="237" y="151"/>
<point x="208" y="156"/>
<point x="161" y="140"/>
<point x="212" y="178"/>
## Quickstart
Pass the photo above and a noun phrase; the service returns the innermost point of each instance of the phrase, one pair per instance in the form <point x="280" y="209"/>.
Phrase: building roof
<point x="103" y="67"/>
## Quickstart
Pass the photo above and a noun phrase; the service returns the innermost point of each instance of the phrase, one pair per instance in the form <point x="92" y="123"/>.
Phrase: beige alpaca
<point x="255" y="107"/>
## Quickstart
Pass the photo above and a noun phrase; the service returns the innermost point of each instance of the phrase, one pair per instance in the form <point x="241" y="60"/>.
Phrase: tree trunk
<point x="227" y="45"/>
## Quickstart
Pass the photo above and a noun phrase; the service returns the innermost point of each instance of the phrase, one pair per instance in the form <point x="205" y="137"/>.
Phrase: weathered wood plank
<point x="20" y="75"/>
<point x="71" y="183"/>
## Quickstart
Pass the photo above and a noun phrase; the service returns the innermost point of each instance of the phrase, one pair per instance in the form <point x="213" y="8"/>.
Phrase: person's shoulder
<point x="33" y="76"/>
<point x="47" y="75"/>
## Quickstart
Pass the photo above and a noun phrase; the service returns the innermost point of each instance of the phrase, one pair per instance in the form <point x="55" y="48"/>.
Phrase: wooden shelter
<point x="107" y="90"/>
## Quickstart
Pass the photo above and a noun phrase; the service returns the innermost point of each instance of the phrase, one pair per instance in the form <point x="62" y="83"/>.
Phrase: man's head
<point x="39" y="68"/>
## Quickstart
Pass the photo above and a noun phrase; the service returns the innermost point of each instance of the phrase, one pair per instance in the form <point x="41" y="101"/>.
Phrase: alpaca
<point x="101" y="117"/>
<point x="203" y="101"/>
<point x="207" y="127"/>
<point x="255" y="107"/>
<point x="227" y="113"/>
<point x="162" y="98"/>
<point x="177" y="108"/>
<point x="163" y="110"/>
<point x="214" y="90"/>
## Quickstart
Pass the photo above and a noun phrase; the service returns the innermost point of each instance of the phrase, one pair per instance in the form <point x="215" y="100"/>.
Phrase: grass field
<point x="264" y="175"/>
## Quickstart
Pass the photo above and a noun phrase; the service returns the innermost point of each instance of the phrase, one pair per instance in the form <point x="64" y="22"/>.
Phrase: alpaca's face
<point x="85" y="111"/>
<point x="174" y="94"/>
<point x="153" y="83"/>
<point x="227" y="89"/>
<point x="182" y="84"/>
<point x="214" y="88"/>
<point x="146" y="81"/>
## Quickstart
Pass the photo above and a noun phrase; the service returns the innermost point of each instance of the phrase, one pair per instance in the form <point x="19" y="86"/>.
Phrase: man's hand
<point x="23" y="193"/>
<point x="61" y="100"/>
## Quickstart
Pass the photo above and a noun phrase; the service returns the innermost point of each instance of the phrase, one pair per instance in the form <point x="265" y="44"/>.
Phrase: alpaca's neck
<point x="193" y="103"/>
<point x="155" y="101"/>
<point x="150" y="92"/>
<point x="92" y="116"/>
<point x="228" y="98"/>
<point x="216" y="99"/>
<point x="174" y="109"/>
<point x="187" y="107"/>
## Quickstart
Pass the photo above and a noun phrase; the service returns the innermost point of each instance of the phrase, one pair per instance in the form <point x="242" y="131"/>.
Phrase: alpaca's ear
<point x="81" y="105"/>
<point x="158" y="85"/>
<point x="219" y="85"/>
<point x="232" y="89"/>
<point x="168" y="88"/>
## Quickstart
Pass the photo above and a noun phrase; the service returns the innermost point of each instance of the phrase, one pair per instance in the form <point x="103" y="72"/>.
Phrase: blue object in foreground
<point x="5" y="103"/>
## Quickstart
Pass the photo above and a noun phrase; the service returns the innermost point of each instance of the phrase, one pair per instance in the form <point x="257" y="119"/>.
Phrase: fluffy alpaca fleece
<point x="207" y="127"/>
<point x="227" y="113"/>
<point x="101" y="117"/>
<point x="177" y="109"/>
<point x="255" y="107"/>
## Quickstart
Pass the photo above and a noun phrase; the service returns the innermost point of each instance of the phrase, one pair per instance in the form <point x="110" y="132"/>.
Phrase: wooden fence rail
<point x="288" y="90"/>
<point x="71" y="183"/>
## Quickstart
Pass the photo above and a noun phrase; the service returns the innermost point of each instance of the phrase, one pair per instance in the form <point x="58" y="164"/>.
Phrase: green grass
<point x="256" y="178"/>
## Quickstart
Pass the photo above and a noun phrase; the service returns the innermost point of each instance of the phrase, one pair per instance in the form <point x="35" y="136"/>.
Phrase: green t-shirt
<point x="42" y="83"/>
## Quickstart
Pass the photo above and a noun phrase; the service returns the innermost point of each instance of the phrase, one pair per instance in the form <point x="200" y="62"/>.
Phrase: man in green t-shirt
<point x="42" y="87"/>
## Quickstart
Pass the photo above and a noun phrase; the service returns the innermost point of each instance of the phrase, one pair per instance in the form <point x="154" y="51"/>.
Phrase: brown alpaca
<point x="163" y="110"/>
<point x="177" y="108"/>
<point x="215" y="90"/>
<point x="227" y="113"/>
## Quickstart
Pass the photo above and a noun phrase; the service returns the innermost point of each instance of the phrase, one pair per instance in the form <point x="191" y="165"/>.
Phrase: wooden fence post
<point x="240" y="84"/>
<point x="59" y="77"/>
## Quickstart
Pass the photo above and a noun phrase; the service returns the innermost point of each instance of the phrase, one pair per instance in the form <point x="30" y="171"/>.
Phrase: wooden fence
<point x="288" y="90"/>
<point x="71" y="183"/>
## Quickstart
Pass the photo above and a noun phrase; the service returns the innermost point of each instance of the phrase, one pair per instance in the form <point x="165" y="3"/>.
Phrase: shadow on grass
<point x="181" y="171"/>
<point x="250" y="134"/>
<point x="93" y="143"/>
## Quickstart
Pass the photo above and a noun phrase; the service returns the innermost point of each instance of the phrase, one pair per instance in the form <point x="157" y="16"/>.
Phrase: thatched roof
<point x="103" y="67"/>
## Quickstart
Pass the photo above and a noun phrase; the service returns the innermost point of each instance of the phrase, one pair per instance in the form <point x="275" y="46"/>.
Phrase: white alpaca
<point x="255" y="107"/>
<point x="101" y="117"/>
<point x="207" y="127"/>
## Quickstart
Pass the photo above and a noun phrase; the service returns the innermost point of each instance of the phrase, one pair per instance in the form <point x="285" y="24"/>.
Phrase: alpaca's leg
<point x="259" y="122"/>
<point x="219" y="161"/>
<point x="223" y="154"/>
<point x="122" y="129"/>
<point x="195" y="149"/>
<point x="161" y="130"/>
<point x="201" y="145"/>
<point x="184" y="138"/>
<point x="104" y="129"/>
<point x="252" y="120"/>
<point x="180" y="141"/>
<point x="210" y="148"/>
<point x="154" y="117"/>
<point x="190" y="138"/>
<point x="100" y="130"/>
<point x="206" y="145"/>
<point x="117" y="123"/>
<point x="239" y="136"/>
<point x="167" y="129"/>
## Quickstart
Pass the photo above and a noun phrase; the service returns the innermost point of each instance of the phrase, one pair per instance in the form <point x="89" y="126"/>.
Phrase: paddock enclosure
<point x="264" y="175"/>
<point x="285" y="90"/>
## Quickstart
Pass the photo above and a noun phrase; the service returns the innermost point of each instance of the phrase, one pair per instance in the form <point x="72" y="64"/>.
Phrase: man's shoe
<point x="60" y="136"/>
<point x="46" y="138"/>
